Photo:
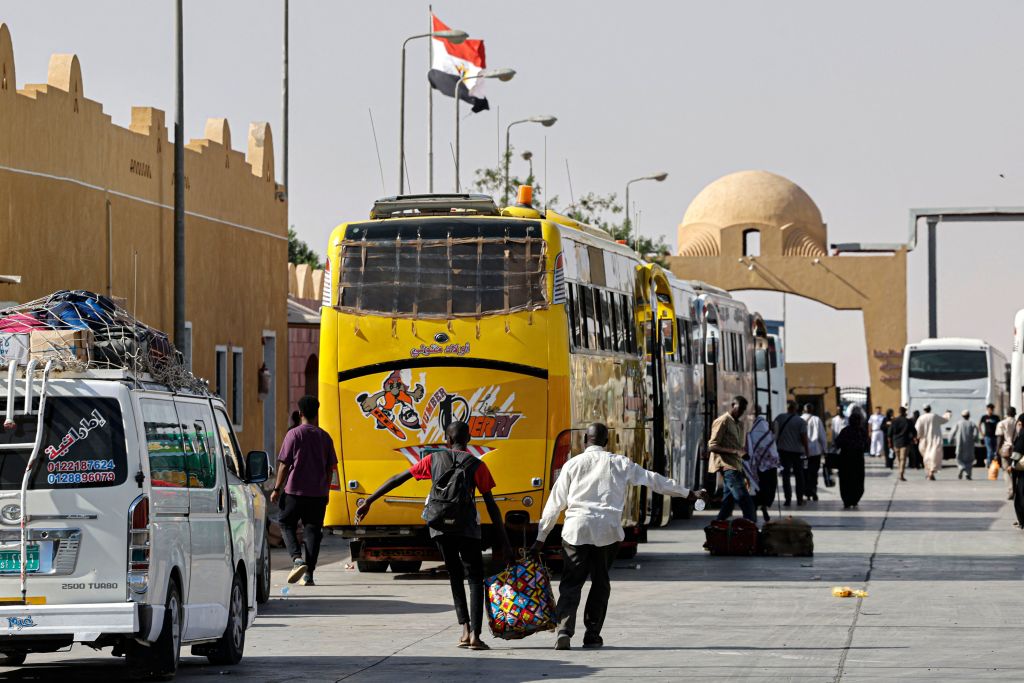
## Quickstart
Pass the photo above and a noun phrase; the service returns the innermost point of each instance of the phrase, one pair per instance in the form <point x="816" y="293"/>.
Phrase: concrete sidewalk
<point x="940" y="560"/>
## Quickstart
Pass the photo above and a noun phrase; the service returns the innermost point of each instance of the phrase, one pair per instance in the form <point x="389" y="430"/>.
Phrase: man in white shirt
<point x="816" y="445"/>
<point x="877" y="435"/>
<point x="592" y="488"/>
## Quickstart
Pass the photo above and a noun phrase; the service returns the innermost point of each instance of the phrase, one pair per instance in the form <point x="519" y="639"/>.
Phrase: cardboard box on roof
<point x="61" y="344"/>
<point x="13" y="348"/>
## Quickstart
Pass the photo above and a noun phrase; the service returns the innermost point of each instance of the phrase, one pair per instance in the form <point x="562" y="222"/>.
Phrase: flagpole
<point x="430" y="105"/>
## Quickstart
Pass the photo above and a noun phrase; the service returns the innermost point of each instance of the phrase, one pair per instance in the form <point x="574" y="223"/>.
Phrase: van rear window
<point x="83" y="445"/>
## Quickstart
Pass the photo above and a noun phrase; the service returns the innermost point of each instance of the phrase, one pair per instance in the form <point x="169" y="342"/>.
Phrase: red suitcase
<point x="731" y="537"/>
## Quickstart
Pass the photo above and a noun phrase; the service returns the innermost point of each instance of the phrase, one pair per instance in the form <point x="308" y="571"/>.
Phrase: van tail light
<point x="560" y="454"/>
<point x="335" y="482"/>
<point x="139" y="544"/>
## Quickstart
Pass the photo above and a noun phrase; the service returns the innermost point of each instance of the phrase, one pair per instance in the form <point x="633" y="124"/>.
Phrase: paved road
<point x="940" y="560"/>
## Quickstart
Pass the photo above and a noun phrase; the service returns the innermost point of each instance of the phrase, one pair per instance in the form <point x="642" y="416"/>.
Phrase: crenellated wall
<point x="80" y="198"/>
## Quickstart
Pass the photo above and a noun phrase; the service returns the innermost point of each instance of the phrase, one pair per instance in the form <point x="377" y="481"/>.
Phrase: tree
<point x="600" y="210"/>
<point x="299" y="252"/>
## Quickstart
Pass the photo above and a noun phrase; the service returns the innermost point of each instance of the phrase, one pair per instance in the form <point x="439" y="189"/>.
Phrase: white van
<point x="143" y="524"/>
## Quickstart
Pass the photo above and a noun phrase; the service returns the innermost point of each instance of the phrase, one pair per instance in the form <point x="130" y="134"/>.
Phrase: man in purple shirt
<point x="307" y="461"/>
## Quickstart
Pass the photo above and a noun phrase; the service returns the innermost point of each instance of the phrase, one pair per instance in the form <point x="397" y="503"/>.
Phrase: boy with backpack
<point x="451" y="515"/>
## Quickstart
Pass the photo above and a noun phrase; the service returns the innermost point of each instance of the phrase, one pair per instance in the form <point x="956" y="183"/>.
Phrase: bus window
<point x="574" y="317"/>
<point x="626" y="323"/>
<point x="616" y="321"/>
<point x="607" y="327"/>
<point x="430" y="266"/>
<point x="951" y="365"/>
<point x="588" y="317"/>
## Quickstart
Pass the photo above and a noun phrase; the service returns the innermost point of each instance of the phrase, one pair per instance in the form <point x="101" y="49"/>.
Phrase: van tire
<point x="159" y="661"/>
<point x="229" y="647"/>
<point x="12" y="658"/>
<point x="372" y="566"/>
<point x="263" y="573"/>
<point x="406" y="567"/>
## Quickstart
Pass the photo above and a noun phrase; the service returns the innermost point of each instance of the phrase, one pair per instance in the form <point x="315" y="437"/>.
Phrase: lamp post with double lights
<point x="660" y="176"/>
<point x="546" y="121"/>
<point x="453" y="36"/>
<point x="503" y="75"/>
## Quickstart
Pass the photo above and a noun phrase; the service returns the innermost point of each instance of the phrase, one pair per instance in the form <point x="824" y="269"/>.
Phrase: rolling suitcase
<point x="789" y="536"/>
<point x="731" y="537"/>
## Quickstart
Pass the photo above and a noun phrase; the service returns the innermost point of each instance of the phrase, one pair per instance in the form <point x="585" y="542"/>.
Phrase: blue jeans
<point x="736" y="492"/>
<point x="990" y="450"/>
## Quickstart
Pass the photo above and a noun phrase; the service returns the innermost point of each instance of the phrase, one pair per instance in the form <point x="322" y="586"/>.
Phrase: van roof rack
<point x="433" y="204"/>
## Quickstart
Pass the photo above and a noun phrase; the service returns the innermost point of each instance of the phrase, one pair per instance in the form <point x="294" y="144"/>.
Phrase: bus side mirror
<point x="257" y="466"/>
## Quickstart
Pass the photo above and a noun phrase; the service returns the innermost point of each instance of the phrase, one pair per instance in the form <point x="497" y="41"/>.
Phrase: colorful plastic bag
<point x="520" y="601"/>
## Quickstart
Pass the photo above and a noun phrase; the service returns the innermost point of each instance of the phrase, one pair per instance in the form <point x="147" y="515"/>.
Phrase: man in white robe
<point x="877" y="436"/>
<point x="964" y="436"/>
<point x="929" y="434"/>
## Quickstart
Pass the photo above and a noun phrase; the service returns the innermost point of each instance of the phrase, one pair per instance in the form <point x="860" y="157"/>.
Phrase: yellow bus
<point x="527" y="326"/>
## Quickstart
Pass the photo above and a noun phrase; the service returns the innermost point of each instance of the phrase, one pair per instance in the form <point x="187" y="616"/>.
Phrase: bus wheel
<point x="12" y="658"/>
<point x="372" y="566"/>
<point x="406" y="567"/>
<point x="627" y="552"/>
<point x="681" y="508"/>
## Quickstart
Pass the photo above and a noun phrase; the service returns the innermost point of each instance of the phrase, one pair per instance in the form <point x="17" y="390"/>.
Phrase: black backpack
<point x="451" y="507"/>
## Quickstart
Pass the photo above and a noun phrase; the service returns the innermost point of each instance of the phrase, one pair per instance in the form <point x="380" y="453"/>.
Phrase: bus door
<point x="661" y="333"/>
<point x="710" y="359"/>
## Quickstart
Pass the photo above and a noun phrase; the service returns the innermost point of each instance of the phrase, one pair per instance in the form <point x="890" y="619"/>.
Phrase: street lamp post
<point x="179" y="181"/>
<point x="546" y="121"/>
<point x="454" y="36"/>
<point x="629" y="225"/>
<point x="501" y="75"/>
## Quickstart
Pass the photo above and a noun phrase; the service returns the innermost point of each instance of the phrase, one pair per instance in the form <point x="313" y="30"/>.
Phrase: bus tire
<point x="12" y="658"/>
<point x="406" y="566"/>
<point x="628" y="552"/>
<point x="681" y="508"/>
<point x="372" y="566"/>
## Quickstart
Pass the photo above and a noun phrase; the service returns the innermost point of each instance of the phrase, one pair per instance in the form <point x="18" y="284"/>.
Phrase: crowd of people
<point x="592" y="489"/>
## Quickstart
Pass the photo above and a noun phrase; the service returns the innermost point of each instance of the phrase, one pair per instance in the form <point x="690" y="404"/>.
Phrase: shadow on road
<point x="304" y="606"/>
<point x="487" y="666"/>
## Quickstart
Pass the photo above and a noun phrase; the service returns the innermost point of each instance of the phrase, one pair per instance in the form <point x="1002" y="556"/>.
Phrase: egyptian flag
<point x="449" y="63"/>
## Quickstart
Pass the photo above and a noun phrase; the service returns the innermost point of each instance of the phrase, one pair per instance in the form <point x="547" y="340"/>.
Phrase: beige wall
<point x="813" y="379"/>
<point x="66" y="170"/>
<point x="875" y="284"/>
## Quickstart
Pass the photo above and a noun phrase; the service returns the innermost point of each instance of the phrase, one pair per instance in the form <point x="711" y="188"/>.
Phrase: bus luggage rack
<point x="433" y="204"/>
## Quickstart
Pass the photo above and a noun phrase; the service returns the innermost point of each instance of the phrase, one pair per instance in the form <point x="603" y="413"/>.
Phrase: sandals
<point x="479" y="645"/>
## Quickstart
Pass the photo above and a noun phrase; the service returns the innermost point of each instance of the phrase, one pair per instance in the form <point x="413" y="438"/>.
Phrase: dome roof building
<point x="731" y="208"/>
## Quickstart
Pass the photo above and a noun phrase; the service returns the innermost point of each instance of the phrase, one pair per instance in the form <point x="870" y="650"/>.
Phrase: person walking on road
<point x="890" y="456"/>
<point x="1005" y="432"/>
<point x="592" y="488"/>
<point x="987" y="428"/>
<point x="1017" y="470"/>
<point x="929" y="436"/>
<point x="763" y="464"/>
<point x="727" y="450"/>
<point x="791" y="438"/>
<point x="460" y="545"/>
<point x="877" y="435"/>
<point x="916" y="461"/>
<point x="964" y="436"/>
<point x="901" y="438"/>
<point x="307" y="463"/>
<point x="816" y="444"/>
<point x="851" y="444"/>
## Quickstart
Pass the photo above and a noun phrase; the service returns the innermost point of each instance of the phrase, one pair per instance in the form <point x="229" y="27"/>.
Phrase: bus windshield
<point x="949" y="365"/>
<point x="441" y="268"/>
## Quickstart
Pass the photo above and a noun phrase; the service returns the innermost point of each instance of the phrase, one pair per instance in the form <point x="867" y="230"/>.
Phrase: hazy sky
<point x="872" y="107"/>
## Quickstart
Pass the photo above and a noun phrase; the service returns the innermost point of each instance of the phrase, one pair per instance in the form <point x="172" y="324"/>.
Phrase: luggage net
<point x="83" y="331"/>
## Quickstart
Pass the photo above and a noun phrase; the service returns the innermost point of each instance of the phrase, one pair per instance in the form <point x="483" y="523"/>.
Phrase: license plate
<point x="10" y="560"/>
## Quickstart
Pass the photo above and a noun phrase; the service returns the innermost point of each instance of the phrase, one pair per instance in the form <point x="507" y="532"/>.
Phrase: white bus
<point x="954" y="374"/>
<point x="771" y="378"/>
<point x="1017" y="361"/>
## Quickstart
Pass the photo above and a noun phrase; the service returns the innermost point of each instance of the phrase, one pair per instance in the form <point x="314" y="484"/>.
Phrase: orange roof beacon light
<point x="524" y="197"/>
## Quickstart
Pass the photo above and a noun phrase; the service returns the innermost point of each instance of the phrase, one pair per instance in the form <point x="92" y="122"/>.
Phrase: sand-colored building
<point x="814" y="383"/>
<point x="86" y="204"/>
<point x="758" y="230"/>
